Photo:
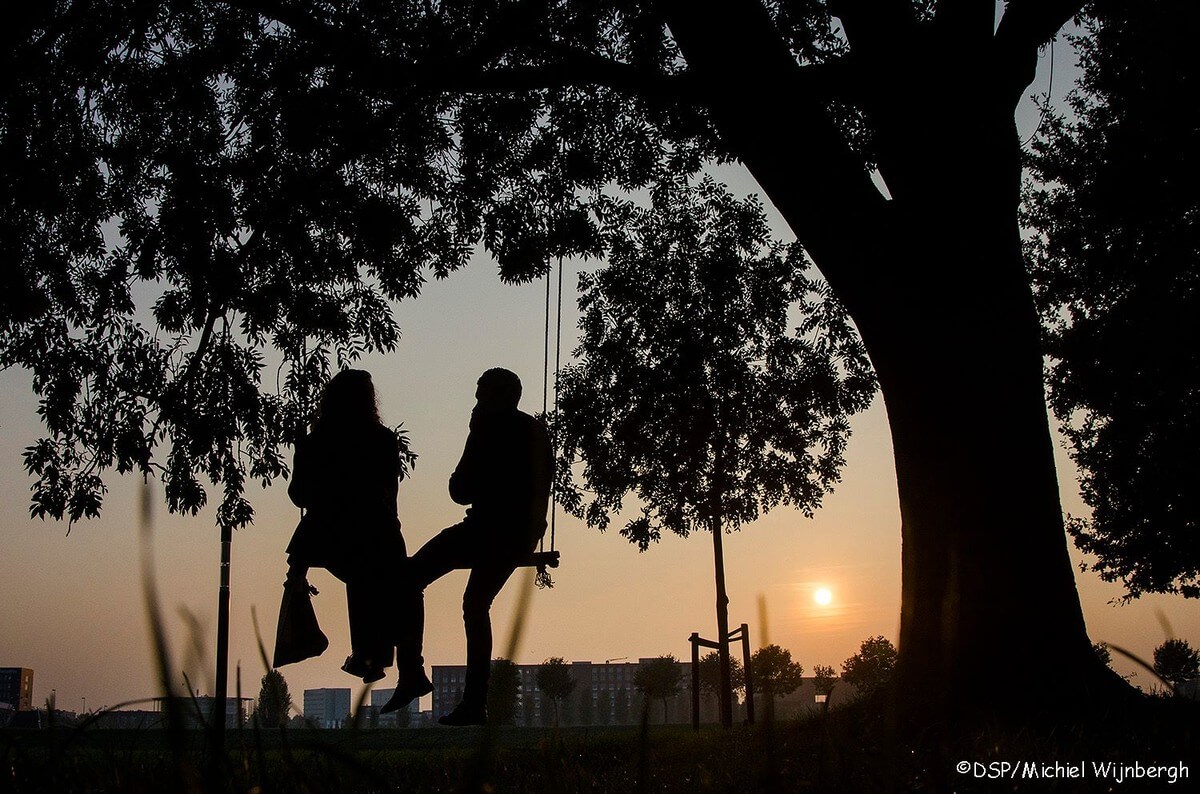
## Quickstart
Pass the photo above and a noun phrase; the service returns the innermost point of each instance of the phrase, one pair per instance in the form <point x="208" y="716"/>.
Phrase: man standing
<point x="504" y="475"/>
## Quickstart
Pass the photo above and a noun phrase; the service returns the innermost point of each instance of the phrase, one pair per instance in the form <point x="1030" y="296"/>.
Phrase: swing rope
<point x="550" y="558"/>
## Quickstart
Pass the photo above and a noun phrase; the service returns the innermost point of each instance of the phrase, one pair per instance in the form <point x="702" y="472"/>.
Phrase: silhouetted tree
<point x="824" y="680"/>
<point x="504" y="687"/>
<point x="274" y="701"/>
<point x="659" y="678"/>
<point x="278" y="171"/>
<point x="710" y="675"/>
<point x="1177" y="661"/>
<point x="1103" y="653"/>
<point x="1115" y="265"/>
<point x="873" y="667"/>
<point x="692" y="391"/>
<point x="555" y="681"/>
<point x="775" y="674"/>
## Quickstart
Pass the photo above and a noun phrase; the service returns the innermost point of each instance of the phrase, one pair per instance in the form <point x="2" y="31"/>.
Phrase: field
<point x="852" y="749"/>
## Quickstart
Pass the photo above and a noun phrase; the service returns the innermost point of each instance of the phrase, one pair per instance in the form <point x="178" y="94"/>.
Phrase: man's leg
<point x="444" y="552"/>
<point x="483" y="585"/>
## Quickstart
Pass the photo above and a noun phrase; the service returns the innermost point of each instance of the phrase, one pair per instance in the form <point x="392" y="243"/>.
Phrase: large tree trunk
<point x="988" y="589"/>
<point x="934" y="279"/>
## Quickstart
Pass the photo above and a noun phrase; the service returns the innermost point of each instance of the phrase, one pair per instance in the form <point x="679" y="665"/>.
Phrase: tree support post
<point x="695" y="641"/>
<point x="220" y="705"/>
<point x="743" y="632"/>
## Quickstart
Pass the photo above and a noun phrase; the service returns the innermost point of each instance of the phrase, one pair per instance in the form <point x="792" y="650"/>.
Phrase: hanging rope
<point x="543" y="579"/>
<point x="557" y="367"/>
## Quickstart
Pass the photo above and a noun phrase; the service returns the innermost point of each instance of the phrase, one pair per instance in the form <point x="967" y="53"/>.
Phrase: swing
<point x="543" y="558"/>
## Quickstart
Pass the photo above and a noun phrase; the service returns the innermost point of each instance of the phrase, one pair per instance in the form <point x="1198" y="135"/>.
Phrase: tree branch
<point x="1024" y="28"/>
<point x="574" y="68"/>
<point x="299" y="21"/>
<point x="876" y="27"/>
<point x="778" y="125"/>
<point x="965" y="23"/>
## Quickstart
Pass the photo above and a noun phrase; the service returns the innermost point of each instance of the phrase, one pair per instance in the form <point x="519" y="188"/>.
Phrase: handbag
<point x="298" y="636"/>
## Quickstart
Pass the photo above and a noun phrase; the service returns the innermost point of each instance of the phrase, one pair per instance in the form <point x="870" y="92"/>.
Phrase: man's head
<point x="498" y="390"/>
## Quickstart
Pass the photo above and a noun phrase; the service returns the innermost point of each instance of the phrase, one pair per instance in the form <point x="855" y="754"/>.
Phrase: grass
<point x="851" y="749"/>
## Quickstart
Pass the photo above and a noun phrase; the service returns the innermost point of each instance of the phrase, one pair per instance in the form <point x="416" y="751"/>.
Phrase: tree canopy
<point x="274" y="701"/>
<point x="1177" y="661"/>
<point x="710" y="674"/>
<point x="659" y="678"/>
<point x="774" y="672"/>
<point x="555" y="681"/>
<point x="690" y="391"/>
<point x="504" y="689"/>
<point x="208" y="206"/>
<point x="824" y="680"/>
<point x="1116" y="263"/>
<point x="873" y="667"/>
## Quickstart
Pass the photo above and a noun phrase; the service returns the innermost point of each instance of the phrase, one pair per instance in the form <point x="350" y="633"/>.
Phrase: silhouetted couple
<point x="346" y="474"/>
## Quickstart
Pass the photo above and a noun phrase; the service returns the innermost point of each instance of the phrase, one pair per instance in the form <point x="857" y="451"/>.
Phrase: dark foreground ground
<point x="853" y="749"/>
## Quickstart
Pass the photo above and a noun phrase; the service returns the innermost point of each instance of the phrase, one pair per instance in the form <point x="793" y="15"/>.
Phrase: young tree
<point x="504" y="688"/>
<point x="1116" y="196"/>
<point x="691" y="392"/>
<point x="306" y="163"/>
<point x="873" y="667"/>
<point x="775" y="674"/>
<point x="824" y="680"/>
<point x="555" y="681"/>
<point x="659" y="678"/>
<point x="710" y="675"/>
<point x="1177" y="662"/>
<point x="274" y="701"/>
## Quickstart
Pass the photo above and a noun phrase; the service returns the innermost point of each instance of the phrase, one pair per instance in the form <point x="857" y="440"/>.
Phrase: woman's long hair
<point x="348" y="399"/>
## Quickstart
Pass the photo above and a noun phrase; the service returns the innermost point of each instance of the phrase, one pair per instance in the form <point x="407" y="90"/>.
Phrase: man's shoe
<point x="360" y="668"/>
<point x="408" y="689"/>
<point x="465" y="715"/>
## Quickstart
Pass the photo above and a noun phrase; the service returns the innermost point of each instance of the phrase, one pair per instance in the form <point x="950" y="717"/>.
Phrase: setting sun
<point x="823" y="596"/>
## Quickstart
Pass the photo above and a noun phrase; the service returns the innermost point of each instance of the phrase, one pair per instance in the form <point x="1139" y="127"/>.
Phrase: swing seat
<point x="538" y="559"/>
<point x="542" y="559"/>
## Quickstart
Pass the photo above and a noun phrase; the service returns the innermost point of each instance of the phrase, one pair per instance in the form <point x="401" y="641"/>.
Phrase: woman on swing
<point x="346" y="476"/>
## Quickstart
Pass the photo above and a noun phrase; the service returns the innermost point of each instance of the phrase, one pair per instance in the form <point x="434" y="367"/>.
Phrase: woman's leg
<point x="370" y="643"/>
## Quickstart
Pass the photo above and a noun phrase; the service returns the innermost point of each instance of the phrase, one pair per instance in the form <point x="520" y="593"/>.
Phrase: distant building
<point x="327" y="708"/>
<point x="604" y="694"/>
<point x="197" y="710"/>
<point x="807" y="700"/>
<point x="16" y="687"/>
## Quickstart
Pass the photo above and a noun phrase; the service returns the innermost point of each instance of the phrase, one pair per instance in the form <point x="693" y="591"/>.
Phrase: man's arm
<point x="464" y="482"/>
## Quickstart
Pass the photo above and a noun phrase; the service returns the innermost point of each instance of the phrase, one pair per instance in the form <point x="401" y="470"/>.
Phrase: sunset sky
<point x="73" y="609"/>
